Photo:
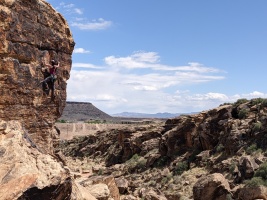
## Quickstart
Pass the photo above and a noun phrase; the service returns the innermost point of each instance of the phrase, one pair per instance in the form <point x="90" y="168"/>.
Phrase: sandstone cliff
<point x="31" y="33"/>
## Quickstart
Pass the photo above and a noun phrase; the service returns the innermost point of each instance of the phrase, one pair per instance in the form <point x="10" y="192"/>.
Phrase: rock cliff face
<point x="31" y="33"/>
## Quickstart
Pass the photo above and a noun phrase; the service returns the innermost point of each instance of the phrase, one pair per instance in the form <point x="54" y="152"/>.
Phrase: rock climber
<point x="51" y="68"/>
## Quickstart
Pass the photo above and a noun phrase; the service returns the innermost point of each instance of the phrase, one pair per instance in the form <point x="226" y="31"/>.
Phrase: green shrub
<point x="152" y="183"/>
<point x="240" y="101"/>
<point x="141" y="163"/>
<point x="264" y="103"/>
<point x="166" y="179"/>
<point x="262" y="171"/>
<point x="219" y="148"/>
<point x="180" y="168"/>
<point x="257" y="127"/>
<point x="134" y="159"/>
<point x="251" y="149"/>
<point x="224" y="104"/>
<point x="100" y="172"/>
<point x="242" y="114"/>
<point x="256" y="101"/>
<point x="232" y="167"/>
<point x="62" y="121"/>
<point x="229" y="197"/>
<point x="162" y="161"/>
<point x="255" y="182"/>
<point x="260" y="177"/>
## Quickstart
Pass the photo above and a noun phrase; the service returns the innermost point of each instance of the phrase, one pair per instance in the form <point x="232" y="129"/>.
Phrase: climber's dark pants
<point x="51" y="79"/>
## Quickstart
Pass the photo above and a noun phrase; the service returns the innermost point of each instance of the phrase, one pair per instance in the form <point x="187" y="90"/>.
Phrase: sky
<point x="176" y="56"/>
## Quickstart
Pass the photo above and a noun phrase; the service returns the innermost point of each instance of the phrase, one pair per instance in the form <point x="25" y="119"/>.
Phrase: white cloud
<point x="64" y="5"/>
<point x="209" y="96"/>
<point x="86" y="65"/>
<point x="81" y="50"/>
<point x="255" y="94"/>
<point x="113" y="89"/>
<point x="98" y="24"/>
<point x="151" y="60"/>
<point x="78" y="11"/>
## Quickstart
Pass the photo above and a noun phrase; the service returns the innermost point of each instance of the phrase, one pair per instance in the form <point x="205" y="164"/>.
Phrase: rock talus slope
<point x="31" y="33"/>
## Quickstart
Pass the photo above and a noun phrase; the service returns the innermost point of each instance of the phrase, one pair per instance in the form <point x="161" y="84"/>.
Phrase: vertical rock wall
<point x="32" y="32"/>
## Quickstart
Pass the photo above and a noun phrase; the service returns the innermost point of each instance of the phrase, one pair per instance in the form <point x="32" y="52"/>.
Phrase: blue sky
<point x="173" y="56"/>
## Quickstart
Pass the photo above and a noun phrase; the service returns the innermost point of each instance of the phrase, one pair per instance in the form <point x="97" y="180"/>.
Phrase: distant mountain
<point x="145" y="115"/>
<point x="83" y="111"/>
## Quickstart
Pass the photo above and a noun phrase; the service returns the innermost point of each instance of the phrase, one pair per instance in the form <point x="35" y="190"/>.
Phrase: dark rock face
<point x="82" y="111"/>
<point x="200" y="131"/>
<point x="57" y="192"/>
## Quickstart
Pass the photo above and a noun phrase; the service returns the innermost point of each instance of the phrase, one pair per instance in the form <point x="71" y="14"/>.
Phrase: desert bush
<point x="141" y="163"/>
<point x="62" y="121"/>
<point x="229" y="197"/>
<point x="219" y="148"/>
<point x="256" y="101"/>
<point x="133" y="159"/>
<point x="260" y="177"/>
<point x="136" y="163"/>
<point x="264" y="103"/>
<point x="257" y="127"/>
<point x="161" y="162"/>
<point x="242" y="114"/>
<point x="166" y="179"/>
<point x="100" y="172"/>
<point x="251" y="149"/>
<point x="180" y="168"/>
<point x="232" y="167"/>
<point x="152" y="183"/>
<point x="224" y="104"/>
<point x="240" y="101"/>
<point x="254" y="182"/>
<point x="262" y="171"/>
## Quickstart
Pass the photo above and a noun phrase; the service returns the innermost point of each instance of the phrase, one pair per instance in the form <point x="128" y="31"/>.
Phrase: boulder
<point x="248" y="193"/>
<point x="100" y="191"/>
<point x="150" y="194"/>
<point x="213" y="186"/>
<point x="122" y="184"/>
<point x="246" y="168"/>
<point x="109" y="181"/>
<point x="28" y="171"/>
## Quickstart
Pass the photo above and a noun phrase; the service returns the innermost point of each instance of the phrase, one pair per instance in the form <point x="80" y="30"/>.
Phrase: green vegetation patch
<point x="180" y="168"/>
<point x="260" y="177"/>
<point x="243" y="113"/>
